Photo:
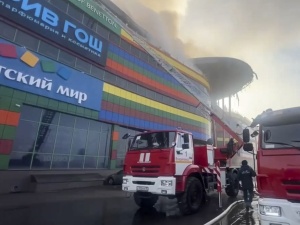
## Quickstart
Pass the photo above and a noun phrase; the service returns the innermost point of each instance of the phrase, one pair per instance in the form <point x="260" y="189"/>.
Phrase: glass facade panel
<point x="76" y="162"/>
<point x="20" y="160"/>
<point x="46" y="139"/>
<point x="90" y="162"/>
<point x="82" y="123"/>
<point x="93" y="143"/>
<point x="31" y="113"/>
<point x="102" y="162"/>
<point x="25" y="136"/>
<point x="63" y="140"/>
<point x="67" y="120"/>
<point x="41" y="161"/>
<point x="79" y="142"/>
<point x="60" y="162"/>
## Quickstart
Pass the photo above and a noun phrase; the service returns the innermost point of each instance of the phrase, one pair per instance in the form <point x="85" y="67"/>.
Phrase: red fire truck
<point x="169" y="163"/>
<point x="278" y="165"/>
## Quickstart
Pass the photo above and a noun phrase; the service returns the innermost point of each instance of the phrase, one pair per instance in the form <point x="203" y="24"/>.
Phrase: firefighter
<point x="245" y="175"/>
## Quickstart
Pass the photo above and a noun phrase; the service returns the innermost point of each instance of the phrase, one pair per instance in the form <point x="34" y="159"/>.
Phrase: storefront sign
<point x="36" y="74"/>
<point x="41" y="17"/>
<point x="94" y="10"/>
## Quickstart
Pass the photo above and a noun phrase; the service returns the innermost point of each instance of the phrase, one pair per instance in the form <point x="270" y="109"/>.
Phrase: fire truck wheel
<point x="233" y="189"/>
<point x="190" y="201"/>
<point x="145" y="201"/>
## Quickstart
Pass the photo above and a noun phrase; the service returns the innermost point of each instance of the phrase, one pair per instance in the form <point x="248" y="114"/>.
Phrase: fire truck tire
<point x="191" y="200"/>
<point x="233" y="189"/>
<point x="145" y="201"/>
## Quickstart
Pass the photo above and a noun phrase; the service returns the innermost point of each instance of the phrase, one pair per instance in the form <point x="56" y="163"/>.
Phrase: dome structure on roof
<point x="226" y="76"/>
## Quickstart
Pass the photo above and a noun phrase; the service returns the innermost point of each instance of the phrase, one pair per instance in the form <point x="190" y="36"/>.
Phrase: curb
<point x="219" y="217"/>
<point x="216" y="219"/>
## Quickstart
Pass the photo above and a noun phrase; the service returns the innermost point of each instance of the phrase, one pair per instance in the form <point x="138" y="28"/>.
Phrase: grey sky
<point x="263" y="33"/>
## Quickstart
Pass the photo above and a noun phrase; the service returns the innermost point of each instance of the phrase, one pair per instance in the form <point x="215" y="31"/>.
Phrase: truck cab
<point x="154" y="159"/>
<point x="278" y="165"/>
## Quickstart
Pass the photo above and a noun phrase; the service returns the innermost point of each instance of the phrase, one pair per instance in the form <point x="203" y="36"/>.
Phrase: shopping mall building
<point x="73" y="81"/>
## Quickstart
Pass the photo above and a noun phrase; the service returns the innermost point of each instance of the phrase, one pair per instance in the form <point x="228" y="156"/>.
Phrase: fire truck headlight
<point x="166" y="183"/>
<point x="125" y="181"/>
<point x="269" y="210"/>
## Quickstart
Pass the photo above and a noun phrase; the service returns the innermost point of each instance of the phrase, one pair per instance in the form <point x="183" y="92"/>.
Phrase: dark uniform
<point x="245" y="176"/>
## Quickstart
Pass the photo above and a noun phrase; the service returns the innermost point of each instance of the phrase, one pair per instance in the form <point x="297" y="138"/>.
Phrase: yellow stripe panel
<point x="185" y="69"/>
<point x="147" y="102"/>
<point x="126" y="35"/>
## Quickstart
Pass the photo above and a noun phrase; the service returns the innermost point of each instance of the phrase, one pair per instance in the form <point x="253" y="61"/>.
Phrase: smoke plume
<point x="264" y="34"/>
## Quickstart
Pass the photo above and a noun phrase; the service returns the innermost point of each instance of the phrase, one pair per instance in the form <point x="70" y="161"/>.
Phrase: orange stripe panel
<point x="9" y="118"/>
<point x="115" y="136"/>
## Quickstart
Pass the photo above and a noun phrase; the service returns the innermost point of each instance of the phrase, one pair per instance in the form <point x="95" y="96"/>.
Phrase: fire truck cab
<point x="168" y="163"/>
<point x="278" y="165"/>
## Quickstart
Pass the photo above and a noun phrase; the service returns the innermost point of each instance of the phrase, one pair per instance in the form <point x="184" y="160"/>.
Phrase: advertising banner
<point x="95" y="11"/>
<point x="43" y="18"/>
<point x="31" y="72"/>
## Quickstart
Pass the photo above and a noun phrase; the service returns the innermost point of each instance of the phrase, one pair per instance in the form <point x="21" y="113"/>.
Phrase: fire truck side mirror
<point x="246" y="135"/>
<point x="125" y="136"/>
<point x="248" y="147"/>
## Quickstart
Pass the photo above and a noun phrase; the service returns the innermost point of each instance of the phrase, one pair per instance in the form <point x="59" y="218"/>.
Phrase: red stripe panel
<point x="5" y="147"/>
<point x="113" y="154"/>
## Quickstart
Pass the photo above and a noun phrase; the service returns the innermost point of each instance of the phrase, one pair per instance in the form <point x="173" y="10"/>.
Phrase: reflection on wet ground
<point x="120" y="211"/>
<point x="239" y="216"/>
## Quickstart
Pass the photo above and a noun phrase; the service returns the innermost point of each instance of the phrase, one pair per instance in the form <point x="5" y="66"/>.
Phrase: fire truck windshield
<point x="153" y="140"/>
<point x="281" y="136"/>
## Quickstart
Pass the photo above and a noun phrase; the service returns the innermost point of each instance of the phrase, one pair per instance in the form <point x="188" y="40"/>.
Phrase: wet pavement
<point x="239" y="216"/>
<point x="110" y="208"/>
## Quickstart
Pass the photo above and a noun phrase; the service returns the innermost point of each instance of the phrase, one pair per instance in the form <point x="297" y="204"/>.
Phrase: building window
<point x="125" y="45"/>
<point x="48" y="139"/>
<point x="48" y="50"/>
<point x="75" y="13"/>
<point x="89" y="22"/>
<point x="66" y="58"/>
<point x="83" y="66"/>
<point x="61" y="5"/>
<point x="114" y="38"/>
<point x="8" y="32"/>
<point x="103" y="32"/>
<point x="26" y="40"/>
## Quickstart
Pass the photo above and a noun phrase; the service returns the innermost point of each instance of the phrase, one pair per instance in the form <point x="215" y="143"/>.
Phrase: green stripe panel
<point x="146" y="73"/>
<point x="114" y="145"/>
<point x="134" y="105"/>
<point x="9" y="132"/>
<point x="4" y="160"/>
<point x="1" y="130"/>
<point x="10" y="98"/>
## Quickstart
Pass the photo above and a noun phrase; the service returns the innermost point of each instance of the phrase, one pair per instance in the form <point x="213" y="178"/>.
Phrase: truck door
<point x="183" y="152"/>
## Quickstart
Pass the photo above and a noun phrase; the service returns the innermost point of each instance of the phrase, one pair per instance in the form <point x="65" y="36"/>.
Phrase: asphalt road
<point x="96" y="207"/>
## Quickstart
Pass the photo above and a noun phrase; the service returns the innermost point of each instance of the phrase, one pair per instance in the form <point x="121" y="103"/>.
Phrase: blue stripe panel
<point x="141" y="124"/>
